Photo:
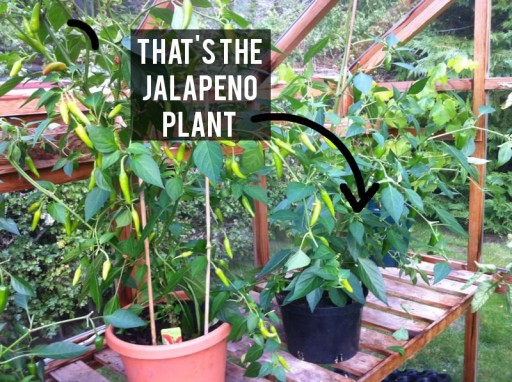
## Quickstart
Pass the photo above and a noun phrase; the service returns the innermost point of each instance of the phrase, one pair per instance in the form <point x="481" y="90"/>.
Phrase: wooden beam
<point x="260" y="229"/>
<point x="300" y="29"/>
<point x="482" y="53"/>
<point x="409" y="26"/>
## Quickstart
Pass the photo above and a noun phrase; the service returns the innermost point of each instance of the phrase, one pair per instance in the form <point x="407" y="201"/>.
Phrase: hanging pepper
<point x="35" y="219"/>
<point x="98" y="342"/>
<point x="186" y="6"/>
<point x="284" y="145"/>
<point x="180" y="155"/>
<point x="35" y="44"/>
<point x="64" y="112"/>
<point x="34" y="206"/>
<point x="35" y="21"/>
<point x="236" y="170"/>
<point x="227" y="247"/>
<point x="247" y="205"/>
<point x="330" y="144"/>
<point x="56" y="66"/>
<point x="82" y="134"/>
<point x="264" y="331"/>
<point x="16" y="67"/>
<point x="222" y="277"/>
<point x="32" y="368"/>
<point x="79" y="115"/>
<point x="124" y="183"/>
<point x="169" y="153"/>
<point x="278" y="163"/>
<point x="345" y="284"/>
<point x="328" y="202"/>
<point x="32" y="167"/>
<point x="136" y="221"/>
<point x="67" y="225"/>
<point x="218" y="213"/>
<point x="305" y="140"/>
<point x="105" y="269"/>
<point x="115" y="111"/>
<point x="283" y="362"/>
<point x="4" y="296"/>
<point x="317" y="208"/>
<point x="76" y="276"/>
<point x="229" y="168"/>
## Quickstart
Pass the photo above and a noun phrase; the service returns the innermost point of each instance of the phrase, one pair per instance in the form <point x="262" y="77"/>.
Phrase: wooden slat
<point x="408" y="308"/>
<point x="358" y="365"/>
<point x="455" y="264"/>
<point x="416" y="293"/>
<point x="300" y="370"/>
<point x="77" y="372"/>
<point x="445" y="286"/>
<point x="390" y="322"/>
<point x="260" y="229"/>
<point x="378" y="342"/>
<point x="409" y="26"/>
<point x="110" y="359"/>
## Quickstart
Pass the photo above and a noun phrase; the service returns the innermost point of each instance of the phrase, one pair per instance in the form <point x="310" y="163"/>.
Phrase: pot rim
<point x="167" y="351"/>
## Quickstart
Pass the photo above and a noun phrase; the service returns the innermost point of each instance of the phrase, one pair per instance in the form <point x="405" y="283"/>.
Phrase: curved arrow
<point x="364" y="195"/>
<point x="95" y="44"/>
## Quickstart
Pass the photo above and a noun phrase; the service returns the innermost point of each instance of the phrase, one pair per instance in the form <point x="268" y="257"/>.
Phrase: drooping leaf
<point x="276" y="261"/>
<point x="145" y="167"/>
<point x="174" y="188"/>
<point x="256" y="192"/>
<point x="298" y="260"/>
<point x="393" y="202"/>
<point x="441" y="271"/>
<point x="9" y="225"/>
<point x="208" y="159"/>
<point x="253" y="158"/>
<point x="450" y="222"/>
<point x="297" y="191"/>
<point x="102" y="138"/>
<point x="372" y="278"/>
<point x="124" y="319"/>
<point x="59" y="350"/>
<point x="94" y="201"/>
<point x="22" y="287"/>
<point x="484" y="291"/>
<point x="321" y="44"/>
<point x="363" y="83"/>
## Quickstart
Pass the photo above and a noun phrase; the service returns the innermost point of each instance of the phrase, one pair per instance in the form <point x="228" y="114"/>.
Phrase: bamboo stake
<point x="149" y="280"/>
<point x="208" y="255"/>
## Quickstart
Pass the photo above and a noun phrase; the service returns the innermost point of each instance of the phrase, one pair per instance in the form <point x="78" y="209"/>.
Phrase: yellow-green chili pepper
<point x="115" y="111"/>
<point x="180" y="155"/>
<point x="76" y="277"/>
<point x="284" y="145"/>
<point x="105" y="269"/>
<point x="75" y="110"/>
<point x="278" y="163"/>
<point x="35" y="21"/>
<point x="54" y="67"/>
<point x="218" y="213"/>
<point x="35" y="219"/>
<point x="236" y="170"/>
<point x="227" y="247"/>
<point x="82" y="134"/>
<point x="136" y="221"/>
<point x="186" y="7"/>
<point x="64" y="112"/>
<point x="16" y="67"/>
<point x="34" y="206"/>
<point x="32" y="167"/>
<point x="222" y="277"/>
<point x="247" y="205"/>
<point x="124" y="183"/>
<point x="305" y="140"/>
<point x="328" y="202"/>
<point x="67" y="225"/>
<point x="317" y="208"/>
<point x="283" y="362"/>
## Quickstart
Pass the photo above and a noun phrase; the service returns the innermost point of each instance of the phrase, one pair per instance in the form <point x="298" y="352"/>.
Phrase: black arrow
<point x="364" y="195"/>
<point x="95" y="44"/>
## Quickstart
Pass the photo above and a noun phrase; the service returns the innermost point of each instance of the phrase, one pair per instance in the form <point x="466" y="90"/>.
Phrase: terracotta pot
<point x="201" y="359"/>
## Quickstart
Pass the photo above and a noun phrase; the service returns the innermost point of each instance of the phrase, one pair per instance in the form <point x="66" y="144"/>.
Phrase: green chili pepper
<point x="79" y="115"/>
<point x="82" y="134"/>
<point x="34" y="206"/>
<point x="247" y="205"/>
<point x="180" y="155"/>
<point x="278" y="163"/>
<point x="16" y="67"/>
<point x="32" y="167"/>
<point x="32" y="368"/>
<point x="317" y="208"/>
<point x="35" y="21"/>
<point x="218" y="213"/>
<point x="64" y="112"/>
<point x="124" y="183"/>
<point x="4" y="296"/>
<point x="236" y="170"/>
<point x="35" y="219"/>
<point x="98" y="342"/>
<point x="328" y="202"/>
<point x="136" y="221"/>
<point x="283" y="362"/>
<point x="67" y="225"/>
<point x="305" y="140"/>
<point x="186" y="7"/>
<point x="169" y="153"/>
<point x="227" y="247"/>
<point x="76" y="276"/>
<point x="105" y="269"/>
<point x="35" y="44"/>
<point x="284" y="145"/>
<point x="115" y="111"/>
<point x="222" y="277"/>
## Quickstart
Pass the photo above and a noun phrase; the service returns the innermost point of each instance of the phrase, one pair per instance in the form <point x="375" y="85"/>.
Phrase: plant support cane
<point x="208" y="255"/>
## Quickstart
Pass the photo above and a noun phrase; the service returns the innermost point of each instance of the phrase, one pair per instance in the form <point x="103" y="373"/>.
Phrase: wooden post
<point x="260" y="229"/>
<point x="476" y="194"/>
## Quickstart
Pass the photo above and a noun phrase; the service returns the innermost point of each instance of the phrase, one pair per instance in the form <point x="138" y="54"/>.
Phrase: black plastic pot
<point x="328" y="335"/>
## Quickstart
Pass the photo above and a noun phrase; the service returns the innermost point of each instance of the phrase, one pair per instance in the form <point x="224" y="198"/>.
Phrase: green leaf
<point x="9" y="225"/>
<point x="441" y="271"/>
<point x="137" y="148"/>
<point x="505" y="153"/>
<point x="461" y="158"/>
<point x="356" y="228"/>
<point x="208" y="159"/>
<point x="401" y="334"/>
<point x="414" y="198"/>
<point x="202" y="4"/>
<point x="253" y="159"/>
<point x="297" y="191"/>
<point x="363" y="83"/>
<point x="298" y="260"/>
<point x="22" y="287"/>
<point x="313" y="298"/>
<point x="102" y="138"/>
<point x="124" y="319"/>
<point x="10" y="84"/>
<point x="418" y="86"/>
<point x="145" y="167"/>
<point x="398" y="349"/>
<point x="371" y="277"/>
<point x="254" y="353"/>
<point x="256" y="192"/>
<point x="94" y="201"/>
<point x="59" y="350"/>
<point x="450" y="222"/>
<point x="41" y="128"/>
<point x="484" y="291"/>
<point x="307" y="281"/>
<point x="393" y="202"/>
<point x="276" y="261"/>
<point x="321" y="44"/>
<point x="58" y="212"/>
<point x="174" y="188"/>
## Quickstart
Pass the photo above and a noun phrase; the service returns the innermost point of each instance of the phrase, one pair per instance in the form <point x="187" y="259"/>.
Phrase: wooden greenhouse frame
<point x="434" y="308"/>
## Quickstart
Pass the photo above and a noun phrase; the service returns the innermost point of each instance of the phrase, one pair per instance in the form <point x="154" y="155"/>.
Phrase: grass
<point x="446" y="352"/>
